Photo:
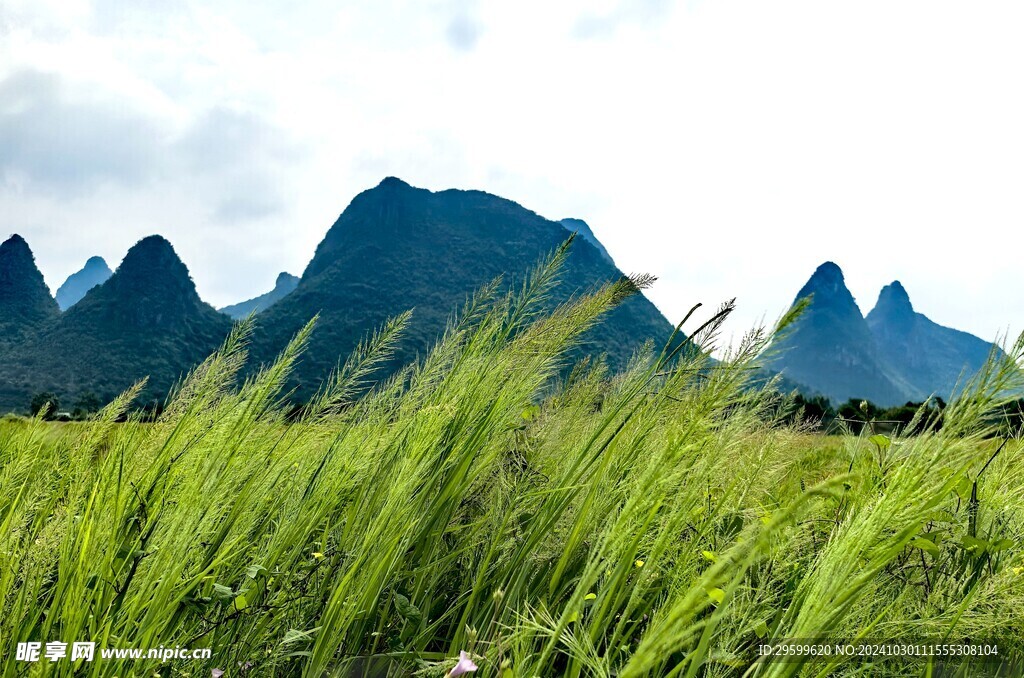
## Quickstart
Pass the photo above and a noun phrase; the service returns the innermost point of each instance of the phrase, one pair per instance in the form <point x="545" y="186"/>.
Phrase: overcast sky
<point x="727" y="147"/>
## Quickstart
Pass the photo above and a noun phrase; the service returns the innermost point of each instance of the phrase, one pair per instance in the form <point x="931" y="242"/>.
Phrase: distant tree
<point x="859" y="409"/>
<point x="856" y="412"/>
<point x="1010" y="419"/>
<point x="819" y="408"/>
<point x="904" y="414"/>
<point x="88" y="403"/>
<point x="41" y="400"/>
<point x="815" y="410"/>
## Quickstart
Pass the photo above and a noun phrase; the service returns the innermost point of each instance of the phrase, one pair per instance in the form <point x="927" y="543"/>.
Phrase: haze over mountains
<point x="394" y="248"/>
<point x="892" y="356"/>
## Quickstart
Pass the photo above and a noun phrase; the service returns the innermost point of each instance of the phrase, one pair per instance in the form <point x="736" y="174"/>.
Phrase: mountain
<point x="95" y="272"/>
<point x="583" y="228"/>
<point x="396" y="247"/>
<point x="928" y="356"/>
<point x="25" y="301"/>
<point x="286" y="283"/>
<point x="831" y="350"/>
<point x="145" y="320"/>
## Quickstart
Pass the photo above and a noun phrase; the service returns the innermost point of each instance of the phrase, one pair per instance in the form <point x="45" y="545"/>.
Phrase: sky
<point x="727" y="147"/>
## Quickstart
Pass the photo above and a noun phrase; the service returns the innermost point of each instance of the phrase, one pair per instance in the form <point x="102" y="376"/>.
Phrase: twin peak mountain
<point x="397" y="247"/>
<point x="892" y="356"/>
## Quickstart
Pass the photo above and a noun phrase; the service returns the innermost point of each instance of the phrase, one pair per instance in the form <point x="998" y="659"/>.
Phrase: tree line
<point x="855" y="414"/>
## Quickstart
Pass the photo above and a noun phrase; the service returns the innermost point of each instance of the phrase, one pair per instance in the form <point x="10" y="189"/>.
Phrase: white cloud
<point x="727" y="147"/>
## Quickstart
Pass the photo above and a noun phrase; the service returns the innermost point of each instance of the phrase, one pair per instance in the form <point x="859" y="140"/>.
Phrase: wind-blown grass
<point x="660" y="521"/>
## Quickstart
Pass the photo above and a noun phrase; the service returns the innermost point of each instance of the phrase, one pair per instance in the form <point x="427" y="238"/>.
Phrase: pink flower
<point x="465" y="665"/>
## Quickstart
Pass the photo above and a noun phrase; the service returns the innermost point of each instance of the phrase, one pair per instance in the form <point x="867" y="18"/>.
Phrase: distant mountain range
<point x="394" y="248"/>
<point x="892" y="356"/>
<point x="145" y="320"/>
<point x="285" y="285"/>
<point x="583" y="228"/>
<point x="930" y="358"/>
<point x="95" y="272"/>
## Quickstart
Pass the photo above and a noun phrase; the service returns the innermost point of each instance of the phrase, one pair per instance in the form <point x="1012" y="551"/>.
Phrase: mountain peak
<point x="95" y="272"/>
<point x="18" y="265"/>
<point x="894" y="299"/>
<point x="17" y="262"/>
<point x="16" y="257"/>
<point x="829" y="272"/>
<point x="828" y="286"/>
<point x="397" y="247"/>
<point x="285" y="278"/>
<point x="25" y="301"/>
<point x="583" y="228"/>
<point x="576" y="224"/>
<point x="932" y="358"/>
<point x="283" y="286"/>
<point x="151" y="248"/>
<point x="393" y="183"/>
<point x="830" y="348"/>
<point x="15" y="244"/>
<point x="154" y="256"/>
<point x="152" y="280"/>
<point x="145" y="320"/>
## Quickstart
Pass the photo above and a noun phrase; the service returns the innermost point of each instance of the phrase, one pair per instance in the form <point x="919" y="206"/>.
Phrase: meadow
<point x="545" y="519"/>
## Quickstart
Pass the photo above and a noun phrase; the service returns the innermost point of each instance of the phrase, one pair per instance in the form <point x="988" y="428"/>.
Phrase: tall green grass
<point x="660" y="521"/>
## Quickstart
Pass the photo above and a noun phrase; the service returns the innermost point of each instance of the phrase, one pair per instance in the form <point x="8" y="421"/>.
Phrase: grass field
<point x="660" y="521"/>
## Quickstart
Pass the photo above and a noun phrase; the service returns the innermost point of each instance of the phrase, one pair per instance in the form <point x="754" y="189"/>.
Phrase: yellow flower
<point x="639" y="563"/>
<point x="318" y="555"/>
<point x="590" y="596"/>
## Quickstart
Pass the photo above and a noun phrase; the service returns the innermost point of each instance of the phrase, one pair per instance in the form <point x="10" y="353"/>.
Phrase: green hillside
<point x="146" y="320"/>
<point x="25" y="301"/>
<point x="397" y="248"/>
